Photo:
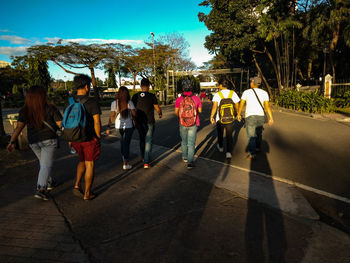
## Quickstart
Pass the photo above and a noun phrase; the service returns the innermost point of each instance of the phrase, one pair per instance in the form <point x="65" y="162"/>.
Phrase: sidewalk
<point x="213" y="213"/>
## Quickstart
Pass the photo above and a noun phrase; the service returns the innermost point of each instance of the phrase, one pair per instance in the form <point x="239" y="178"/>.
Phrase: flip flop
<point x="91" y="197"/>
<point x="78" y="192"/>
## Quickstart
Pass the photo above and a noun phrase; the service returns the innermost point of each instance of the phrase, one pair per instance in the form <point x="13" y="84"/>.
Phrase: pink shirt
<point x="197" y="102"/>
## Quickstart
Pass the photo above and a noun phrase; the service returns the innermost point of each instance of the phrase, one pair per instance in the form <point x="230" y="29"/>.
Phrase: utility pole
<point x="154" y="61"/>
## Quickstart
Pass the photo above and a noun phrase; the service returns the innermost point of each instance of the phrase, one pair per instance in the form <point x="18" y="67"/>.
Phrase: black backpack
<point x="226" y="108"/>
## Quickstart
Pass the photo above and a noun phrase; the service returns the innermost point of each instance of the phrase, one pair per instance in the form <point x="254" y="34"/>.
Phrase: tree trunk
<point x="309" y="69"/>
<point x="333" y="45"/>
<point x="262" y="76"/>
<point x="278" y="64"/>
<point x="94" y="85"/>
<point x="278" y="76"/>
<point x="134" y="81"/>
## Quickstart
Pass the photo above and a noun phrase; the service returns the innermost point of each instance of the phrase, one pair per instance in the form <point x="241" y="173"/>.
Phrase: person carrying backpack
<point x="84" y="133"/>
<point x="187" y="108"/>
<point x="225" y="103"/>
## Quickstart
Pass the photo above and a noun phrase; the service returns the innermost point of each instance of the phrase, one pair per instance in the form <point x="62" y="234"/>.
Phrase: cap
<point x="256" y="80"/>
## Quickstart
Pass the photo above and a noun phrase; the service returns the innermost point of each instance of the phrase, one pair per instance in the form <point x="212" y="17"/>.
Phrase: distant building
<point x="4" y="64"/>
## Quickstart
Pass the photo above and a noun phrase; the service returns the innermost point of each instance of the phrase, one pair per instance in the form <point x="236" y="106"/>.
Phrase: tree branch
<point x="68" y="71"/>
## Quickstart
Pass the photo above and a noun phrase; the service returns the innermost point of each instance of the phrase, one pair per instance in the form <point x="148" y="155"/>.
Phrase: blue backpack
<point x="74" y="121"/>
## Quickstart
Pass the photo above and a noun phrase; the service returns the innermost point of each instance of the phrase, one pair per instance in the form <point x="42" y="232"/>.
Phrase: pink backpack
<point x="187" y="112"/>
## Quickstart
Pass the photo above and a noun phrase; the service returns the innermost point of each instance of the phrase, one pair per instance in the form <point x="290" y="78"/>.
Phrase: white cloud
<point x="13" y="51"/>
<point x="95" y="41"/>
<point x="15" y="39"/>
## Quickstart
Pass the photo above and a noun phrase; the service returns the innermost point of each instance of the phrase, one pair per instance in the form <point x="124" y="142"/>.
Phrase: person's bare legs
<point x="89" y="177"/>
<point x="80" y="171"/>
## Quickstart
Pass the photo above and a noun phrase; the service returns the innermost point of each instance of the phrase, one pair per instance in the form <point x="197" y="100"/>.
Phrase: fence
<point x="340" y="87"/>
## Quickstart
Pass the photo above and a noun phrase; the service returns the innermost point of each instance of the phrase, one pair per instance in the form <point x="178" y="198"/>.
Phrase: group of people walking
<point x="44" y="122"/>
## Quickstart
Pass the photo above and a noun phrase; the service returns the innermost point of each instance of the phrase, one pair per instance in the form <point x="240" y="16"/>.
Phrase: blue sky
<point x="28" y="22"/>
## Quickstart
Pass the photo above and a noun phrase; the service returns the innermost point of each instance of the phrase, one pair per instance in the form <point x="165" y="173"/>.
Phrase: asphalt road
<point x="313" y="152"/>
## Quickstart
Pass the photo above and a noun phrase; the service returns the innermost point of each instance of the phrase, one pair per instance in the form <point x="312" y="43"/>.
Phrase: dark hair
<point x="145" y="82"/>
<point x="81" y="80"/>
<point x="224" y="82"/>
<point x="123" y="97"/>
<point x="35" y="106"/>
<point x="187" y="85"/>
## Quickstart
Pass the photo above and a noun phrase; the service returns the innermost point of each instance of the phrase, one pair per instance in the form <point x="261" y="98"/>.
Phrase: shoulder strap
<point x="71" y="100"/>
<point x="49" y="126"/>
<point x="230" y="94"/>
<point x="221" y="95"/>
<point x="256" y="95"/>
<point x="83" y="100"/>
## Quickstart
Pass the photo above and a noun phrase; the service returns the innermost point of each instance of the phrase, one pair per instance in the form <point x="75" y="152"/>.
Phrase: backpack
<point x="74" y="121"/>
<point x="187" y="112"/>
<point x="226" y="109"/>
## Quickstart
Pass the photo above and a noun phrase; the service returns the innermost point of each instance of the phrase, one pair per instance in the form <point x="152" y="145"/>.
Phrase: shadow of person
<point x="265" y="239"/>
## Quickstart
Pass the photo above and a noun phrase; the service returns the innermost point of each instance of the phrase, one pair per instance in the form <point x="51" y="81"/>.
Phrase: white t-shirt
<point x="225" y="93"/>
<point x="120" y="122"/>
<point x="253" y="106"/>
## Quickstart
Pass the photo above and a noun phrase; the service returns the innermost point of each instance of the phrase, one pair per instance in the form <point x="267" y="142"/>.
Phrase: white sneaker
<point x="220" y="149"/>
<point x="127" y="166"/>
<point x="228" y="155"/>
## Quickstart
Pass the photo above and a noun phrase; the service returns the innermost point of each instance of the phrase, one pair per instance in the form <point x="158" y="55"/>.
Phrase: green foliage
<point x="306" y="102"/>
<point x="343" y="101"/>
<point x="38" y="73"/>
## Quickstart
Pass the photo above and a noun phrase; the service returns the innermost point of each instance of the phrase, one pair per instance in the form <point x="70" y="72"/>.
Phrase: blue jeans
<point x="44" y="151"/>
<point x="146" y="134"/>
<point x="254" y="126"/>
<point x="188" y="142"/>
<point x="125" y="142"/>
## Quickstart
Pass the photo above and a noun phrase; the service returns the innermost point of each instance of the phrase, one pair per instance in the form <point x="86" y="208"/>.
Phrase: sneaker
<point x="185" y="160"/>
<point x="41" y="195"/>
<point x="127" y="166"/>
<point x="228" y="155"/>
<point x="146" y="166"/>
<point x="190" y="166"/>
<point x="220" y="149"/>
<point x="250" y="157"/>
<point x="51" y="185"/>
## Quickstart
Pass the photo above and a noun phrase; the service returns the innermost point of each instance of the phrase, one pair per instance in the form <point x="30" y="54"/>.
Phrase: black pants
<point x="229" y="130"/>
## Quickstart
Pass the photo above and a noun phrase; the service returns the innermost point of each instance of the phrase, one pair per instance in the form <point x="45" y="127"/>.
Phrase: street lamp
<point x="154" y="60"/>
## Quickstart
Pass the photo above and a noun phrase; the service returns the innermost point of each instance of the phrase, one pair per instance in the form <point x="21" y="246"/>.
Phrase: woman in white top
<point x="123" y="112"/>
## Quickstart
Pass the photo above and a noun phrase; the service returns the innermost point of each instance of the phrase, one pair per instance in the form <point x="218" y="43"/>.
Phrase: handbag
<point x="266" y="119"/>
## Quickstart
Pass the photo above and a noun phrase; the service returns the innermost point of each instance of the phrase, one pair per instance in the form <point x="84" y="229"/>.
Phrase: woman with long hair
<point x="41" y="119"/>
<point x="122" y="113"/>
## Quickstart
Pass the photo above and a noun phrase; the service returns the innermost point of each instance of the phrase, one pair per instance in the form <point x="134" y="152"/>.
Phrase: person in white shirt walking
<point x="225" y="103"/>
<point x="122" y="113"/>
<point x="257" y="106"/>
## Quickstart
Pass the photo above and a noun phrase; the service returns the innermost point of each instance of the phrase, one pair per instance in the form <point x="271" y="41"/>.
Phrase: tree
<point x="242" y="30"/>
<point x="111" y="81"/>
<point x="8" y="78"/>
<point x="75" y="56"/>
<point x="38" y="73"/>
<point x="327" y="23"/>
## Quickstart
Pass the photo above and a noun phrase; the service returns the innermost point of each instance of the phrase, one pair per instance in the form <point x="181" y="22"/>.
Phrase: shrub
<point x="306" y="102"/>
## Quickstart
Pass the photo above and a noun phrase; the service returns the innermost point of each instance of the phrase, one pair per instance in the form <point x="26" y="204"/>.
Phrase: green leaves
<point x="306" y="102"/>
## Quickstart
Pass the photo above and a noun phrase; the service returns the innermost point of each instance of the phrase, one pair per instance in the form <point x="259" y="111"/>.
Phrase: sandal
<point x="90" y="197"/>
<point x="78" y="192"/>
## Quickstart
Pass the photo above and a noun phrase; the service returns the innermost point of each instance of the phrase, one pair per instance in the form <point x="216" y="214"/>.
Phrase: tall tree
<point x="75" y="56"/>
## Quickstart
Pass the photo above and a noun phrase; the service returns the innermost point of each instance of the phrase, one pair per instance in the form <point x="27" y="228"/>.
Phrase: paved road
<point x="313" y="152"/>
